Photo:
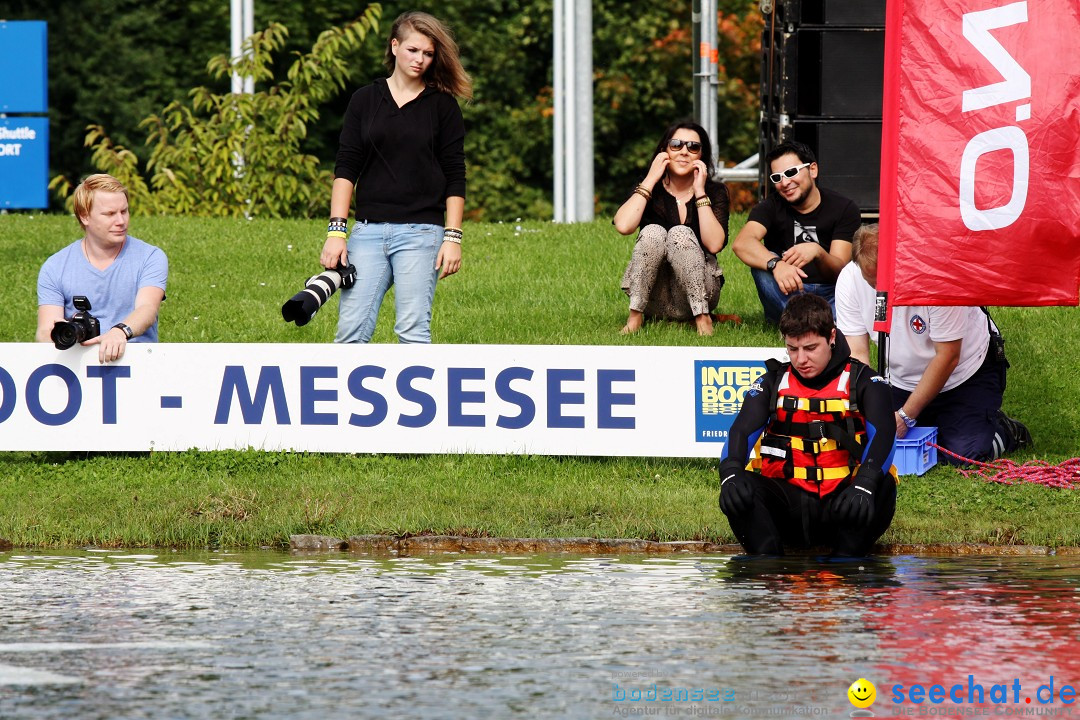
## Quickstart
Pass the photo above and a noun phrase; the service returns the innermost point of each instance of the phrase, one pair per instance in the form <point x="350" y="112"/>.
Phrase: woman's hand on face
<point x="656" y="170"/>
<point x="701" y="174"/>
<point x="335" y="251"/>
<point x="449" y="258"/>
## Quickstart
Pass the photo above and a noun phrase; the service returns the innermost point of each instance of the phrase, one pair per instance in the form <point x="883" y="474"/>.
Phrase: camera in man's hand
<point x="78" y="328"/>
<point x="304" y="304"/>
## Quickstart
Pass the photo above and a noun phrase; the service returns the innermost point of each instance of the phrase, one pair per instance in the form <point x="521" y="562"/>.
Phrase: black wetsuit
<point x="784" y="514"/>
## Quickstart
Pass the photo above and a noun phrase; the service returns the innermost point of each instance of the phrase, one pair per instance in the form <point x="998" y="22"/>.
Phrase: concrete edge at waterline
<point x="436" y="544"/>
<point x="432" y="544"/>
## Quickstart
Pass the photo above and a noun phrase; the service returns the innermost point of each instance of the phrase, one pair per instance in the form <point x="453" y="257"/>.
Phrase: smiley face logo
<point x="862" y="693"/>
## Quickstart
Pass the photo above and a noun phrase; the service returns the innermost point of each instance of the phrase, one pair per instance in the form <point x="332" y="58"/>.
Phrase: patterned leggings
<point x="671" y="276"/>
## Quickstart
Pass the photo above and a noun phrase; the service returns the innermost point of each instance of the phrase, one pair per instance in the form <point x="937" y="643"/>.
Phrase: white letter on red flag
<point x="980" y="183"/>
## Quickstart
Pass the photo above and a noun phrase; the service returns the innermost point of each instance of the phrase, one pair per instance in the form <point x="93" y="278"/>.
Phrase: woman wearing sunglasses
<point x="681" y="216"/>
<point x="402" y="153"/>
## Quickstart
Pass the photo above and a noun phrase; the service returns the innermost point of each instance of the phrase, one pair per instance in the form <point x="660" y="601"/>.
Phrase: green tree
<point x="239" y="154"/>
<point x="644" y="83"/>
<point x="113" y="62"/>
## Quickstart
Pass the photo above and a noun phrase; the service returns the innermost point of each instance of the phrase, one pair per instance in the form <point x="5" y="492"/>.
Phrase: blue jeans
<point x="774" y="301"/>
<point x="385" y="254"/>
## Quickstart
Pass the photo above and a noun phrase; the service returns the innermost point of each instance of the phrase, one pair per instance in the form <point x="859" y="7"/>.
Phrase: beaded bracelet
<point x="337" y="225"/>
<point x="452" y="234"/>
<point x="336" y="234"/>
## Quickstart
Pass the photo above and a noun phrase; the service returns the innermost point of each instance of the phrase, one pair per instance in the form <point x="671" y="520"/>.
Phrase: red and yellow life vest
<point x="815" y="437"/>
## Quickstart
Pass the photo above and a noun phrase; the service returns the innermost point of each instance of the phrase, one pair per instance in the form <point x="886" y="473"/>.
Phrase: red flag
<point x="980" y="171"/>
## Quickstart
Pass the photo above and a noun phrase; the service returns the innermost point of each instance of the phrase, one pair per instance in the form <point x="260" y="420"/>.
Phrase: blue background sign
<point x="719" y="388"/>
<point x="23" y="77"/>
<point x="24" y="162"/>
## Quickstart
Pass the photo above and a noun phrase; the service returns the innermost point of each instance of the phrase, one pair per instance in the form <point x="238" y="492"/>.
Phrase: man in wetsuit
<point x="825" y="422"/>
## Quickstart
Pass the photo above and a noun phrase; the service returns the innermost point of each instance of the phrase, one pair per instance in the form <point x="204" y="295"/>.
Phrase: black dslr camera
<point x="78" y="328"/>
<point x="304" y="304"/>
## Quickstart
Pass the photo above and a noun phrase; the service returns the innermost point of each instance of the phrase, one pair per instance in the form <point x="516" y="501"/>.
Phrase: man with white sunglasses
<point x="797" y="239"/>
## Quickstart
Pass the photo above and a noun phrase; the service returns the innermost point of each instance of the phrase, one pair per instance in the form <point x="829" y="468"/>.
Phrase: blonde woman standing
<point x="401" y="154"/>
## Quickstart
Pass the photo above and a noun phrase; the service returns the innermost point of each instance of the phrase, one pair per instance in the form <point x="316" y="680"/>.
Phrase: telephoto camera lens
<point x="303" y="306"/>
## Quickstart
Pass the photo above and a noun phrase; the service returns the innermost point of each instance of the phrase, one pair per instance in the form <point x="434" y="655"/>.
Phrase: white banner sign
<point x="533" y="399"/>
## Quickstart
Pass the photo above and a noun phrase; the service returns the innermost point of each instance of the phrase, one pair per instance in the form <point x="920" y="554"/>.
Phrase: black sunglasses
<point x="676" y="144"/>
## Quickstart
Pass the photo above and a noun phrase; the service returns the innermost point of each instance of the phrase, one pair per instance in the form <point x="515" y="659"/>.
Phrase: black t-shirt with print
<point x="835" y="218"/>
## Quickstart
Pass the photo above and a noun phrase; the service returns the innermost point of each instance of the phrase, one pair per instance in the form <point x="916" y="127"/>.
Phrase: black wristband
<point x="127" y="331"/>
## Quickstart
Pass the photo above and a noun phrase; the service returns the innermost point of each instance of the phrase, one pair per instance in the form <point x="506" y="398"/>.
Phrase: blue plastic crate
<point x="914" y="452"/>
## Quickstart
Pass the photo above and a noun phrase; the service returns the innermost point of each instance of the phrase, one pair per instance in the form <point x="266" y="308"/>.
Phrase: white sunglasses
<point x="789" y="173"/>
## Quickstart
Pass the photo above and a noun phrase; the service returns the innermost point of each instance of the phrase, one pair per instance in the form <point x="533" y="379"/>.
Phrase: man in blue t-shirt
<point x="798" y="239"/>
<point x="121" y="276"/>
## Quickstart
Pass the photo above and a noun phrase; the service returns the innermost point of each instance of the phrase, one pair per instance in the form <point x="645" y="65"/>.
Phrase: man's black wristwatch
<point x="127" y="331"/>
<point x="771" y="265"/>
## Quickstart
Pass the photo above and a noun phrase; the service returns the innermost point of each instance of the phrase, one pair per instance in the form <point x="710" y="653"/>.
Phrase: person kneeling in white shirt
<point x="941" y="368"/>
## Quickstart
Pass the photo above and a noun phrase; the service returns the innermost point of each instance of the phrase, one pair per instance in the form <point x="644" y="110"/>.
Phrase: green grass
<point x="521" y="283"/>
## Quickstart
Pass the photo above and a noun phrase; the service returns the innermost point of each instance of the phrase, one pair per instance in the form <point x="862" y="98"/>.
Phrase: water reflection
<point x="997" y="621"/>
<point x="277" y="636"/>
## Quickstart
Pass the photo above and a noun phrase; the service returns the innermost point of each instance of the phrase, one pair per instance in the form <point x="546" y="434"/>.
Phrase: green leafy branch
<point x="235" y="155"/>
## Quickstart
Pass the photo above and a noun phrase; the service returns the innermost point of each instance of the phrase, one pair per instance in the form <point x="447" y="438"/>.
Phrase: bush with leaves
<point x="239" y="154"/>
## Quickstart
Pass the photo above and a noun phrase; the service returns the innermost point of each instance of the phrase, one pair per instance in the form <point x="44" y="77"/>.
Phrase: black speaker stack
<point x="821" y="84"/>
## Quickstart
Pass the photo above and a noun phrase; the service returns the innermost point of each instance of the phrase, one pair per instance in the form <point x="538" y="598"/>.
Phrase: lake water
<point x="272" y="635"/>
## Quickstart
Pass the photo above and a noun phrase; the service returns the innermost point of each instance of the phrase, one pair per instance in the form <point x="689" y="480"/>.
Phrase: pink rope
<point x="1065" y="476"/>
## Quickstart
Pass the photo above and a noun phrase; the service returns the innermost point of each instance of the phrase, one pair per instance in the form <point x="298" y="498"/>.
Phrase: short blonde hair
<point x="864" y="245"/>
<point x="83" y="199"/>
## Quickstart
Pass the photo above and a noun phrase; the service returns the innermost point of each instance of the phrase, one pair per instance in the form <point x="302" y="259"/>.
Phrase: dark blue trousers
<point x="967" y="417"/>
